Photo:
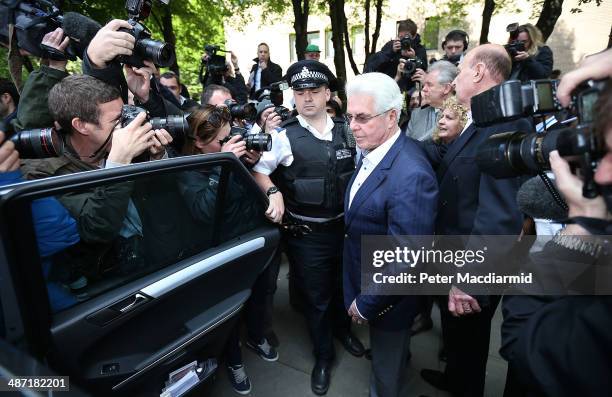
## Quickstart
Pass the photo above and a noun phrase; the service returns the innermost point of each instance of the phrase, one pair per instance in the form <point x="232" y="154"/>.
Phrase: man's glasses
<point x="362" y="118"/>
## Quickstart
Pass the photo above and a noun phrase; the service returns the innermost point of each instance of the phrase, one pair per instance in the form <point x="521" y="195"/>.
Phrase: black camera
<point x="177" y="126"/>
<point x="215" y="65"/>
<point x="261" y="142"/>
<point x="38" y="143"/>
<point x="512" y="100"/>
<point x="282" y="112"/>
<point x="406" y="43"/>
<point x="35" y="18"/>
<point x="158" y="52"/>
<point x="514" y="47"/>
<point x="411" y="65"/>
<point x="275" y="95"/>
<point x="516" y="153"/>
<point x="245" y="111"/>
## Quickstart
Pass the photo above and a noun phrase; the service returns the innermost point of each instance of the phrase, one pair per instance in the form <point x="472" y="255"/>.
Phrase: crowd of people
<point x="398" y="159"/>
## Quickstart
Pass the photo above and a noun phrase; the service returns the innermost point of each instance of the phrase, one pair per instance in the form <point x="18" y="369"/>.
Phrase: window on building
<point x="312" y="37"/>
<point x="431" y="32"/>
<point x="357" y="40"/>
<point x="329" y="44"/>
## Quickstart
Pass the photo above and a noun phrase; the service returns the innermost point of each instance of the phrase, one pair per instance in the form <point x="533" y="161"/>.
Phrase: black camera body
<point x="516" y="153"/>
<point x="276" y="97"/>
<point x="145" y="48"/>
<point x="177" y="126"/>
<point x="261" y="142"/>
<point x="411" y="65"/>
<point x="406" y="43"/>
<point x="215" y="65"/>
<point x="514" y="47"/>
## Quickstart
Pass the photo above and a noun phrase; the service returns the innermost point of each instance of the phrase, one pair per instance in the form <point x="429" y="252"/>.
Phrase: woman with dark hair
<point x="210" y="133"/>
<point x="536" y="62"/>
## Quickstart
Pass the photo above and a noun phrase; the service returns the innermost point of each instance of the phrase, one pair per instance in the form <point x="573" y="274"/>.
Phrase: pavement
<point x="290" y="375"/>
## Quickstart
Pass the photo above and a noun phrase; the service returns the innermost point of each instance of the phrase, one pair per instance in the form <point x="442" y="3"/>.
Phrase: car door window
<point x="128" y="229"/>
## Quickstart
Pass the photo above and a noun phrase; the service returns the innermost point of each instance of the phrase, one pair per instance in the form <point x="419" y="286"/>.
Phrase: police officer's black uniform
<point x="313" y="188"/>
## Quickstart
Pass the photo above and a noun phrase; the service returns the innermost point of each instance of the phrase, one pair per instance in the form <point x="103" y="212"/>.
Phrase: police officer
<point x="305" y="176"/>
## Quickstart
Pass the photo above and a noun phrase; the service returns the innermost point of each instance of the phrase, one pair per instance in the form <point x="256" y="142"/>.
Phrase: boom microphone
<point x="535" y="200"/>
<point x="80" y="29"/>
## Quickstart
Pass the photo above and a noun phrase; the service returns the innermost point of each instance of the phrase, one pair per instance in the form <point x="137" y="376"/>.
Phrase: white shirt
<point x="370" y="161"/>
<point x="258" y="78"/>
<point x="468" y="123"/>
<point x="281" y="148"/>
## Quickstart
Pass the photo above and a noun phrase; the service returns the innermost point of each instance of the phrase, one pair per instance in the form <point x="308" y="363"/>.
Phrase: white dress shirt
<point x="370" y="161"/>
<point x="468" y="123"/>
<point x="281" y="148"/>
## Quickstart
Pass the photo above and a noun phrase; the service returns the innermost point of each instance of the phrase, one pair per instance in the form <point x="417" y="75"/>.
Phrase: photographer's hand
<point x="234" y="59"/>
<point x="139" y="80"/>
<point x="9" y="157"/>
<point x="132" y="140"/>
<point x="570" y="187"/>
<point x="251" y="156"/>
<point x="160" y="140"/>
<point x="598" y="66"/>
<point x="409" y="53"/>
<point x="235" y="145"/>
<point x="271" y="120"/>
<point x="109" y="43"/>
<point x="400" y="69"/>
<point x="56" y="39"/>
<point x="521" y="56"/>
<point x="397" y="45"/>
<point x="419" y="75"/>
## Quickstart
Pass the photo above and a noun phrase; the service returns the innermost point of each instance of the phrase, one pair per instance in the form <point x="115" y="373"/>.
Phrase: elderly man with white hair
<point x="393" y="192"/>
<point x="437" y="87"/>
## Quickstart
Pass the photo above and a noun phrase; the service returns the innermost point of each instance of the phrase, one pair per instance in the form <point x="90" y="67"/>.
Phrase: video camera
<point x="261" y="142"/>
<point x="177" y="126"/>
<point x="35" y="18"/>
<point x="515" y="153"/>
<point x="37" y="143"/>
<point x="215" y="65"/>
<point x="158" y="52"/>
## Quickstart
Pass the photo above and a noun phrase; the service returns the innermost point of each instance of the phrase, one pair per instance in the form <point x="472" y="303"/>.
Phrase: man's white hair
<point x="383" y="90"/>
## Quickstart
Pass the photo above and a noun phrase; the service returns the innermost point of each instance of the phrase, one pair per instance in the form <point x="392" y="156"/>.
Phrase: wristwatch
<point x="272" y="190"/>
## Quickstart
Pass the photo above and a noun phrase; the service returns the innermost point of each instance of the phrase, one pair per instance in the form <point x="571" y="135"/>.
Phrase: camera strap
<point x="97" y="152"/>
<point x="594" y="226"/>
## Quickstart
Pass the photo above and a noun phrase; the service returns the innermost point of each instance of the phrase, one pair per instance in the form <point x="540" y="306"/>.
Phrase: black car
<point x="123" y="325"/>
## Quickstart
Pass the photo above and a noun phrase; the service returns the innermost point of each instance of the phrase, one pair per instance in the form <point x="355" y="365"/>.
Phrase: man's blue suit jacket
<point x="398" y="198"/>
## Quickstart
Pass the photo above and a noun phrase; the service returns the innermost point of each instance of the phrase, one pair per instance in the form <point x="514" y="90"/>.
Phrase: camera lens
<point x="246" y="111"/>
<point x="38" y="143"/>
<point x="259" y="142"/>
<point x="160" y="53"/>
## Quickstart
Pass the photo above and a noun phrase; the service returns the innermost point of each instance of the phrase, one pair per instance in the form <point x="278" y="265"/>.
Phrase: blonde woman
<point x="536" y="62"/>
<point x="451" y="121"/>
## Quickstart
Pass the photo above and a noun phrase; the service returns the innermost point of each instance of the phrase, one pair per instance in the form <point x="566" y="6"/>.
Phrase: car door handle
<point x="132" y="303"/>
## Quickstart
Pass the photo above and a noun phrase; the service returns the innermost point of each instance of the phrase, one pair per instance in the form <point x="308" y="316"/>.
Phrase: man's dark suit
<point x="398" y="198"/>
<point x="473" y="203"/>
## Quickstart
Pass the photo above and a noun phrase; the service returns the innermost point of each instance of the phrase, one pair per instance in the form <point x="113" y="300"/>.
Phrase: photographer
<point x="536" y="62"/>
<point x="561" y="346"/>
<point x="171" y="81"/>
<point x="9" y="99"/>
<point x="230" y="78"/>
<point x="33" y="111"/>
<point x="388" y="58"/>
<point x="455" y="45"/>
<point x="264" y="72"/>
<point x="54" y="227"/>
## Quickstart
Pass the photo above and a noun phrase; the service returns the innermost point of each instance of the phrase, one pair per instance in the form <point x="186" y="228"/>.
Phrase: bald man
<point x="473" y="203"/>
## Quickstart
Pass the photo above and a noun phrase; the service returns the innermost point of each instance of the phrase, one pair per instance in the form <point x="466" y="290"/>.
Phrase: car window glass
<point x="126" y="230"/>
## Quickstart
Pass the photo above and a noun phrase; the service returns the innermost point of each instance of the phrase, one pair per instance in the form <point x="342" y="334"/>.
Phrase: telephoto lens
<point x="245" y="111"/>
<point x="175" y="125"/>
<point x="38" y="143"/>
<point x="158" y="52"/>
<point x="261" y="142"/>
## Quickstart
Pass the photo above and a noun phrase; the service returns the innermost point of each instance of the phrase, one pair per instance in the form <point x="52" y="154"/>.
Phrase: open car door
<point x="118" y="311"/>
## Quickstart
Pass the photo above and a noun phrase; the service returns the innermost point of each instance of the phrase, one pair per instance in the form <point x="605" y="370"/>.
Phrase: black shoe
<point x="352" y="344"/>
<point x="421" y="324"/>
<point x="435" y="378"/>
<point x="321" y="375"/>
